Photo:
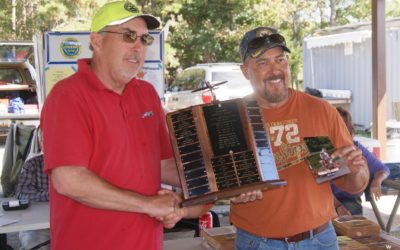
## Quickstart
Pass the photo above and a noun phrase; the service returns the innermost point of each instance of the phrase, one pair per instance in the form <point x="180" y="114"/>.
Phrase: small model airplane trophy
<point x="322" y="166"/>
<point x="211" y="87"/>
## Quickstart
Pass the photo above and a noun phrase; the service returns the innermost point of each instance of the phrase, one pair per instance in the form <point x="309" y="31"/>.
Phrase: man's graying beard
<point x="275" y="98"/>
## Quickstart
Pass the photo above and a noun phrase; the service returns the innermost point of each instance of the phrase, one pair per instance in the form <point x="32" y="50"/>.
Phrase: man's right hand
<point x="162" y="204"/>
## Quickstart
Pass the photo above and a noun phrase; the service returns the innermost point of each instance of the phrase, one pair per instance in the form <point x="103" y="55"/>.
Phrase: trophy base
<point x="232" y="192"/>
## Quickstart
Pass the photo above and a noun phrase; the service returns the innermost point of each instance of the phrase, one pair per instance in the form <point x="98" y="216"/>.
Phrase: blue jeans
<point x="325" y="240"/>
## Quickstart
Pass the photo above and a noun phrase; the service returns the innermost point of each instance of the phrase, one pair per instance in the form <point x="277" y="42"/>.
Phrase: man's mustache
<point x="134" y="57"/>
<point x="275" y="77"/>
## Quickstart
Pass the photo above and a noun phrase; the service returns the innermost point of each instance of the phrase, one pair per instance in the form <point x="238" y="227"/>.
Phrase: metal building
<point x="342" y="60"/>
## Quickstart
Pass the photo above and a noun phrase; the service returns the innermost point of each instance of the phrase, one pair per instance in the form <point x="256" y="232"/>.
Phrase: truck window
<point x="189" y="79"/>
<point x="235" y="78"/>
<point x="10" y="76"/>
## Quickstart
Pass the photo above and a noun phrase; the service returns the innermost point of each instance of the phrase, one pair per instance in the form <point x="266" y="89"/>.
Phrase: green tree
<point x="197" y="31"/>
<point x="5" y="20"/>
<point x="208" y="31"/>
<point x="393" y="8"/>
<point x="354" y="12"/>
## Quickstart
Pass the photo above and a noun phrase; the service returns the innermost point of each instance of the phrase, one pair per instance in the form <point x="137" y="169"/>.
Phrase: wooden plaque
<point x="355" y="226"/>
<point x="221" y="150"/>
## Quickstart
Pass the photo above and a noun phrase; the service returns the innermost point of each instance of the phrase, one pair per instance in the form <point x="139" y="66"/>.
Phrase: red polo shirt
<point x="122" y="139"/>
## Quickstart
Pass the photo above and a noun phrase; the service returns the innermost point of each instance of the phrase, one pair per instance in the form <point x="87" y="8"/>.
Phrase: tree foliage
<point x="208" y="36"/>
<point x="197" y="31"/>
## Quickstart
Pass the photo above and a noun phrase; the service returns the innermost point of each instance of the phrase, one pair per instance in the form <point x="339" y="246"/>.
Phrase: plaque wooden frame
<point x="221" y="150"/>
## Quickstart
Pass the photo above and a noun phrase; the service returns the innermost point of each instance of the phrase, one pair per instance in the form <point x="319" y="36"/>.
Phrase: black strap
<point x="47" y="242"/>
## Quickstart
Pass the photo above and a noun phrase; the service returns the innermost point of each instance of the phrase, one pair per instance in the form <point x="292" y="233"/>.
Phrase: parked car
<point x="18" y="79"/>
<point x="179" y="94"/>
<point x="17" y="92"/>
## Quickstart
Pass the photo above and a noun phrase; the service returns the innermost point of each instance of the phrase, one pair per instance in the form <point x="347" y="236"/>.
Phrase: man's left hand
<point x="353" y="156"/>
<point x="248" y="197"/>
<point x="357" y="180"/>
<point x="171" y="219"/>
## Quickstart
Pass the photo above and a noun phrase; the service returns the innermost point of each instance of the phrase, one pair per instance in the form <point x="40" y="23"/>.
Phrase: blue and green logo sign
<point x="70" y="48"/>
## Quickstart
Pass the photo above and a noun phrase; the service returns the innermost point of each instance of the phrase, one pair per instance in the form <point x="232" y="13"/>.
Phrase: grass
<point x="363" y="133"/>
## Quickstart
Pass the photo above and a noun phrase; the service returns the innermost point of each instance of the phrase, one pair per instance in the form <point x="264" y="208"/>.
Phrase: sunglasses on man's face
<point x="132" y="36"/>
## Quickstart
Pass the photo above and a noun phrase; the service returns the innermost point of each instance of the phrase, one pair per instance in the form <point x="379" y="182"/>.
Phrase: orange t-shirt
<point x="302" y="204"/>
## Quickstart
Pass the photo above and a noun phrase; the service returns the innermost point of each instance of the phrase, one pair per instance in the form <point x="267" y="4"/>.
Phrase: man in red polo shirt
<point x="106" y="143"/>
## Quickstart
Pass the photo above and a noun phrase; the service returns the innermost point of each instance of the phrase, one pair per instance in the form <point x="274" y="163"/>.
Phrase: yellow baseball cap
<point x="119" y="12"/>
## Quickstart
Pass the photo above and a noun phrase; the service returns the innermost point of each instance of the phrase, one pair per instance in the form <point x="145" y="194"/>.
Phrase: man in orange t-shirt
<point x="299" y="214"/>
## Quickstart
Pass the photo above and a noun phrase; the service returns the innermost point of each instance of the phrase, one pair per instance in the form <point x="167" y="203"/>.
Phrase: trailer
<point x="341" y="59"/>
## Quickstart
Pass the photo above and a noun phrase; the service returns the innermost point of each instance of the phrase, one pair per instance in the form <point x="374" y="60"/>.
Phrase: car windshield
<point x="9" y="75"/>
<point x="235" y="78"/>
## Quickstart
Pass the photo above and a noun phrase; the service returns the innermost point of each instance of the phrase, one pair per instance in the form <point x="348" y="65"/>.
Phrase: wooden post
<point x="379" y="73"/>
<point x="396" y="110"/>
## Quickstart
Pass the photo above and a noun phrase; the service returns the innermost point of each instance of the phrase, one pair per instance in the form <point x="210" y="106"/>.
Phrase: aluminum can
<point x="205" y="221"/>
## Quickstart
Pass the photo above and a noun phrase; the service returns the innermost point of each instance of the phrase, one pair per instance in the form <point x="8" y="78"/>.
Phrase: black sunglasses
<point x="259" y="42"/>
<point x="132" y="36"/>
<point x="269" y="39"/>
